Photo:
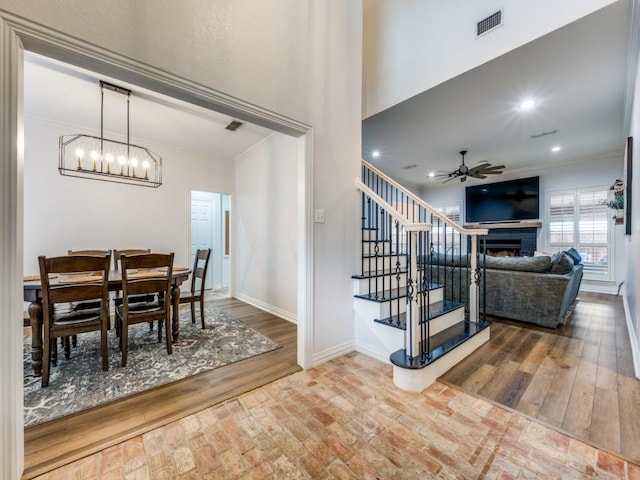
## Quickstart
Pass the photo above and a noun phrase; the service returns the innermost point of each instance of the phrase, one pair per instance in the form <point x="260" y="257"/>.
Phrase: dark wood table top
<point x="33" y="288"/>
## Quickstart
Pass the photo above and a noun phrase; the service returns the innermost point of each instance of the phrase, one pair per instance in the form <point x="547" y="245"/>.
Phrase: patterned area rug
<point x="79" y="383"/>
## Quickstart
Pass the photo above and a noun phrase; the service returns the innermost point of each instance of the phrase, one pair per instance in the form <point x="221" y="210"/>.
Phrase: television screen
<point x="512" y="200"/>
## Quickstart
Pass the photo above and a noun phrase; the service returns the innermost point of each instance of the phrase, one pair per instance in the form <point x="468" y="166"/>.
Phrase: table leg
<point x="35" y="315"/>
<point x="175" y="321"/>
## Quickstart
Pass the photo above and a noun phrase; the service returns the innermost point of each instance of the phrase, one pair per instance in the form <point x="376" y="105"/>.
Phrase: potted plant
<point x="616" y="202"/>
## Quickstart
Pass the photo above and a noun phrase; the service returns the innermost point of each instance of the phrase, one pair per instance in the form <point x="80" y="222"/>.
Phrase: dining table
<point x="33" y="295"/>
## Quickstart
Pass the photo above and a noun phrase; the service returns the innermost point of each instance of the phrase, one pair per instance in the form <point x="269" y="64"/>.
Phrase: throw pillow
<point x="575" y="255"/>
<point x="561" y="263"/>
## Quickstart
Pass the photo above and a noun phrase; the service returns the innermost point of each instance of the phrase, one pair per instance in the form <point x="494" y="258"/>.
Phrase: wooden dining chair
<point x="143" y="275"/>
<point x="81" y="278"/>
<point x="83" y="305"/>
<point x="117" y="300"/>
<point x="198" y="279"/>
<point x="117" y="253"/>
<point x="99" y="253"/>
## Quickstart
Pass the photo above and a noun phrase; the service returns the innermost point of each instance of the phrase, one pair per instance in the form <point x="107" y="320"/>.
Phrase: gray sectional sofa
<point x="540" y="290"/>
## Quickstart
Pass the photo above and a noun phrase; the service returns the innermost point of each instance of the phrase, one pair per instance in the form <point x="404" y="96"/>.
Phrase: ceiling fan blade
<point x="487" y="171"/>
<point x="478" y="175"/>
<point x="449" y="179"/>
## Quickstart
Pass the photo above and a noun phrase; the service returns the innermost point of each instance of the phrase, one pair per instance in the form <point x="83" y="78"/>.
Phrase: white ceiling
<point x="577" y="74"/>
<point x="63" y="93"/>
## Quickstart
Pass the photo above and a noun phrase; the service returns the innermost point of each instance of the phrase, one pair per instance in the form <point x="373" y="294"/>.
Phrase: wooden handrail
<point x="467" y="231"/>
<point x="393" y="211"/>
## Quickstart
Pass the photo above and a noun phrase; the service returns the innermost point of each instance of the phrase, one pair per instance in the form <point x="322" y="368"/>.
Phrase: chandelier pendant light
<point x="100" y="158"/>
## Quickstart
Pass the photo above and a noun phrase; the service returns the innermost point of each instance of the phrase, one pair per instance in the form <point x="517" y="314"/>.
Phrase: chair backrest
<point x="152" y="274"/>
<point x="127" y="251"/>
<point x="87" y="279"/>
<point x="200" y="265"/>
<point x="100" y="253"/>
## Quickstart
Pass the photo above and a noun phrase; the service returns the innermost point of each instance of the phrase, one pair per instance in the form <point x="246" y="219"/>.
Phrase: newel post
<point x="413" y="343"/>
<point x="474" y="285"/>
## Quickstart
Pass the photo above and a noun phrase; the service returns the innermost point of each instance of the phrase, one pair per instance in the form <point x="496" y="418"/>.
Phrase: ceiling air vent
<point x="234" y="125"/>
<point x="486" y="25"/>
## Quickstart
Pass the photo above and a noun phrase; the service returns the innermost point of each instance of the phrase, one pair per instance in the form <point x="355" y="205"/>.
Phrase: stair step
<point x="437" y="309"/>
<point x="365" y="276"/>
<point x="441" y="344"/>
<point x="393" y="294"/>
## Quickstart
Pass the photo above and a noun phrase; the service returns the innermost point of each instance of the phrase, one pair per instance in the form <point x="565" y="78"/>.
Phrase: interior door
<point x="202" y="230"/>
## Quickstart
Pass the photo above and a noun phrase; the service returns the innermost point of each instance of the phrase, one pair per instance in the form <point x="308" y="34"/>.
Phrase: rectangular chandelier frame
<point x="99" y="158"/>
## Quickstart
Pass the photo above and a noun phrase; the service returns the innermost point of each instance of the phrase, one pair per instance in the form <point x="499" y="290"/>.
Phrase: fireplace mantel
<point x="491" y="226"/>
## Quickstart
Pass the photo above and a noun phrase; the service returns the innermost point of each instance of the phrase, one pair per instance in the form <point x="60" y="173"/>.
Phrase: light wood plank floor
<point x="55" y="443"/>
<point x="578" y="379"/>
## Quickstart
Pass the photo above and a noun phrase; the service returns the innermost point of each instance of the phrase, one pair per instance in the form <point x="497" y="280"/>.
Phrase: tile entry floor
<point x="346" y="420"/>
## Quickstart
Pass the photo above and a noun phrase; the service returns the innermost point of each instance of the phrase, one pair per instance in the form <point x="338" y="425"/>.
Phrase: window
<point x="445" y="239"/>
<point x="579" y="218"/>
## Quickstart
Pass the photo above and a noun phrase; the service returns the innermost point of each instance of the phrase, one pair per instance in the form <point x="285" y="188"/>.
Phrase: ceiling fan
<point x="479" y="171"/>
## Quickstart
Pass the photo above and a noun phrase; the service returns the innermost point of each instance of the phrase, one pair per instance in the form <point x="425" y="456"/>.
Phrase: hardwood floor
<point x="578" y="379"/>
<point x="55" y="443"/>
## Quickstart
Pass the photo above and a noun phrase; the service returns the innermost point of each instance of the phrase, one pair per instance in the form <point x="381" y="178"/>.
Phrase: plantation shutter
<point x="580" y="219"/>
<point x="594" y="219"/>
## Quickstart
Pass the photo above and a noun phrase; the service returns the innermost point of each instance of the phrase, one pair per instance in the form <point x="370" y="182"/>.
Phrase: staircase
<point x="416" y="297"/>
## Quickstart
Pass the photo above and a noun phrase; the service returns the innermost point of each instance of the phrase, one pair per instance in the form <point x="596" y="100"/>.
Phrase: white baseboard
<point x="333" y="352"/>
<point x="372" y="352"/>
<point x="598" y="288"/>
<point x="633" y="338"/>
<point x="278" y="312"/>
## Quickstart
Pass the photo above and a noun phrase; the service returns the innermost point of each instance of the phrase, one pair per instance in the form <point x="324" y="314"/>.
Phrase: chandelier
<point x="99" y="158"/>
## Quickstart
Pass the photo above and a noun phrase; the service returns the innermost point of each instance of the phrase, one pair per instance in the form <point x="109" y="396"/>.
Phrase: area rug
<point x="79" y="383"/>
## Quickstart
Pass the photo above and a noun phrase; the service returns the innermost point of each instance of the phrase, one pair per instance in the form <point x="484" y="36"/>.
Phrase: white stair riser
<point x="381" y="264"/>
<point x="369" y="248"/>
<point x="445" y="321"/>
<point x="378" y="310"/>
<point x="361" y="286"/>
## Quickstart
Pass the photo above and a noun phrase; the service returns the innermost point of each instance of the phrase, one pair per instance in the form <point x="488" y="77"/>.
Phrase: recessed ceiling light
<point x="556" y="148"/>
<point x="431" y="174"/>
<point x="528" y="104"/>
<point x="375" y="153"/>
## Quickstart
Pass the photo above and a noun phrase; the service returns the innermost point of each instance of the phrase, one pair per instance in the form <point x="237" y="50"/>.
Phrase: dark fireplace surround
<point x="514" y="240"/>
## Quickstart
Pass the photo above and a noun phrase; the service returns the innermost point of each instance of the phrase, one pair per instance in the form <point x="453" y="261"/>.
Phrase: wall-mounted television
<point x="509" y="201"/>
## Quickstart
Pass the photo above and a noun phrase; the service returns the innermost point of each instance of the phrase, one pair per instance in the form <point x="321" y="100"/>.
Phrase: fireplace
<point x="513" y="242"/>
<point x="511" y="247"/>
<point x="503" y="240"/>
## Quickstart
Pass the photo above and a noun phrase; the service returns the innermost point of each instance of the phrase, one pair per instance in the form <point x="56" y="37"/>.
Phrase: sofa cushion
<point x="522" y="264"/>
<point x="449" y="259"/>
<point x="575" y="255"/>
<point x="561" y="263"/>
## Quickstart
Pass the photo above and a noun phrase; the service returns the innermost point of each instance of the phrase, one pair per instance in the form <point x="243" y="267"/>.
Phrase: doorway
<point x="210" y="214"/>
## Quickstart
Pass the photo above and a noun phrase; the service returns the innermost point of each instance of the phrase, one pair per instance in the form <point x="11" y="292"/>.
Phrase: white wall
<point x="299" y="58"/>
<point x="589" y="173"/>
<point x="632" y="242"/>
<point x="62" y="212"/>
<point x="266" y="225"/>
<point x="413" y="45"/>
